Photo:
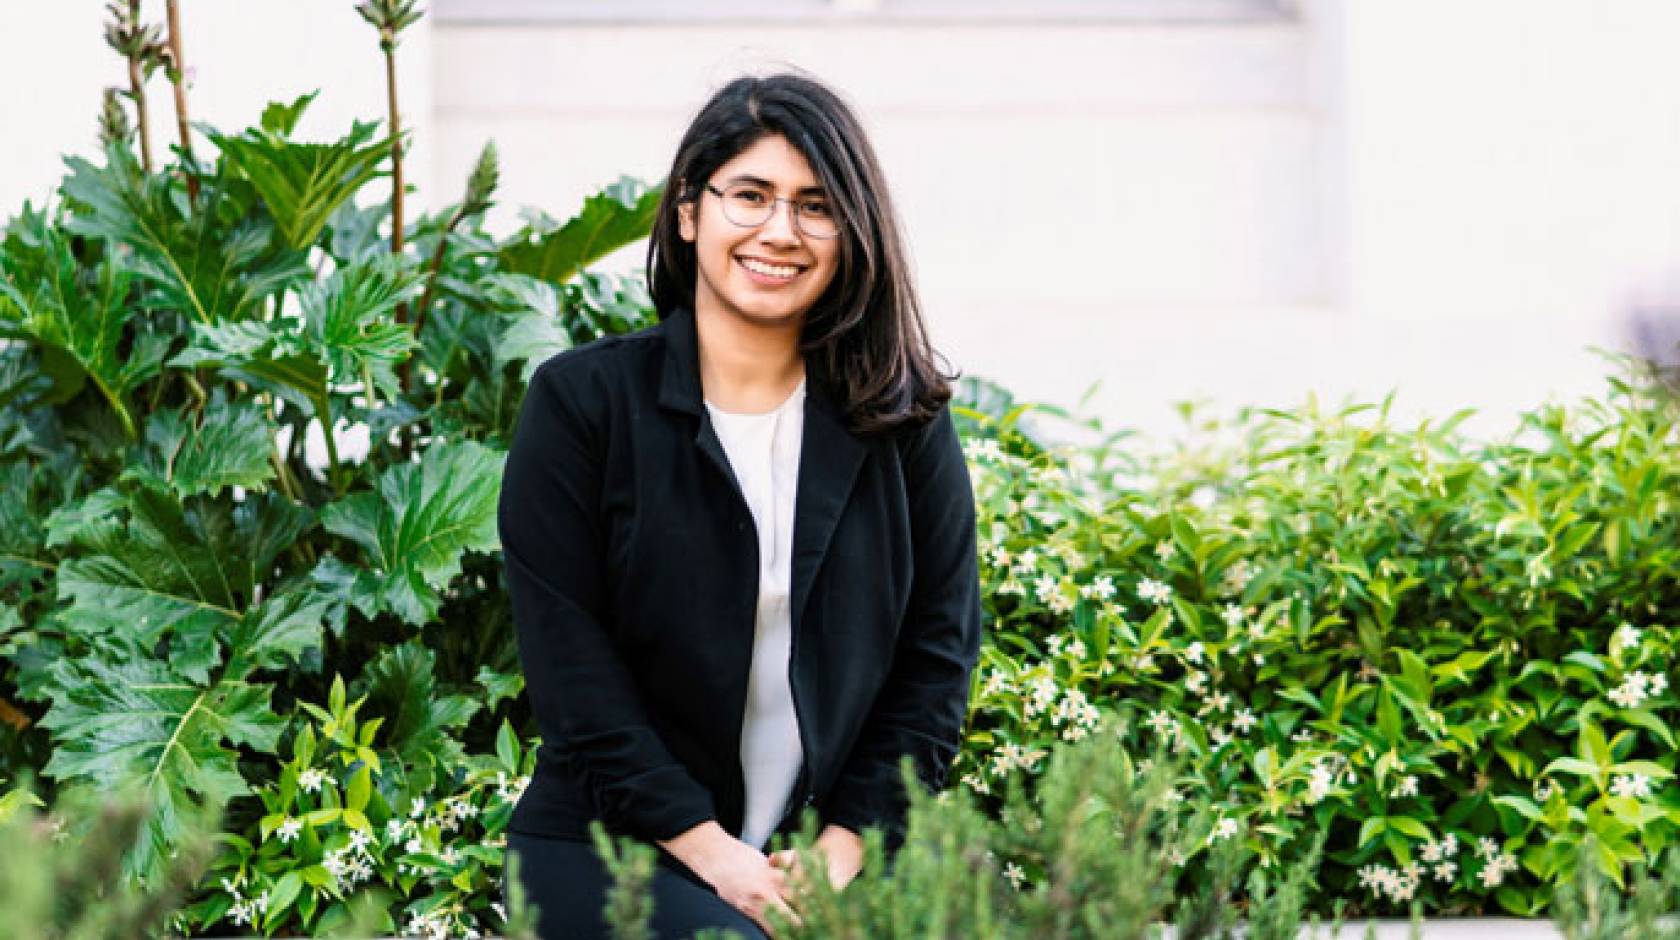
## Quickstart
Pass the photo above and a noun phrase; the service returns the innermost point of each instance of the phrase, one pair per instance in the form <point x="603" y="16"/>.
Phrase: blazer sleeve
<point x="581" y="690"/>
<point x="923" y="702"/>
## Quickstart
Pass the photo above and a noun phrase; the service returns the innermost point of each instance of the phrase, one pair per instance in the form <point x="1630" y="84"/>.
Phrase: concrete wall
<point x="1450" y="199"/>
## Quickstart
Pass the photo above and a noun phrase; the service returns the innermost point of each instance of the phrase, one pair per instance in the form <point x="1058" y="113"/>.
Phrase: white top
<point x="763" y="451"/>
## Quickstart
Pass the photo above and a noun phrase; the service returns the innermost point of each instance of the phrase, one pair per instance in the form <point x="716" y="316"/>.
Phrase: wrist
<point x="693" y="846"/>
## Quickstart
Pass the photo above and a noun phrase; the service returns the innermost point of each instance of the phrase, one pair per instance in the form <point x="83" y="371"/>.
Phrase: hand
<point x="740" y="874"/>
<point x="842" y="851"/>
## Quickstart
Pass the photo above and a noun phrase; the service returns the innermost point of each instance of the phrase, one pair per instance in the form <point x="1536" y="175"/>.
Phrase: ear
<point x="685" y="221"/>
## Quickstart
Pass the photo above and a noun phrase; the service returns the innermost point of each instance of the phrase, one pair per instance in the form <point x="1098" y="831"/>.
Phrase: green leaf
<point x="197" y="264"/>
<point x="280" y="898"/>
<point x="271" y="357"/>
<point x="348" y="320"/>
<point x="228" y="446"/>
<point x="534" y="332"/>
<point x="414" y="528"/>
<point x="303" y="183"/>
<point x="180" y="570"/>
<point x="361" y="786"/>
<point x="621" y="214"/>
<point x="402" y="688"/>
<point x="79" y="317"/>
<point x="136" y="719"/>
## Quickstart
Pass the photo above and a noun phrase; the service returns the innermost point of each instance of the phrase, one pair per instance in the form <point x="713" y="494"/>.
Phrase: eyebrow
<point x="749" y="178"/>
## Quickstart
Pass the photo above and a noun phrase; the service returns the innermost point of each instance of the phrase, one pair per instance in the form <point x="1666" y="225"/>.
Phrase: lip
<point x="758" y="278"/>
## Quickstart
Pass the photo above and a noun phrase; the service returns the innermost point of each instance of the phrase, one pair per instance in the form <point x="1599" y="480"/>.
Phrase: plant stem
<point x="390" y="46"/>
<point x="137" y="88"/>
<point x="431" y="286"/>
<point x="178" y="78"/>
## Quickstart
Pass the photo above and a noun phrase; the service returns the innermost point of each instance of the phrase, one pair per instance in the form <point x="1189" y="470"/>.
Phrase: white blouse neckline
<point x="792" y="397"/>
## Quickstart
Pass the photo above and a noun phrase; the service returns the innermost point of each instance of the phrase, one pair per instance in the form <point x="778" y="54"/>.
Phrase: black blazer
<point x="632" y="563"/>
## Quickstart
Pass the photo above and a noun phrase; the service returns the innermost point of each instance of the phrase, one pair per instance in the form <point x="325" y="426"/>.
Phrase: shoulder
<point x="596" y="366"/>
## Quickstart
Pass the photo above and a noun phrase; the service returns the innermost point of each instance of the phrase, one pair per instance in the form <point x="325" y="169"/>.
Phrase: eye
<point x="816" y="208"/>
<point x="751" y="197"/>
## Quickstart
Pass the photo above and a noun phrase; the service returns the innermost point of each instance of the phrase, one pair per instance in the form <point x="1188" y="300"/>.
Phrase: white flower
<point x="1244" y="720"/>
<point x="1226" y="828"/>
<point x="1408" y="786"/>
<point x="1637" y="786"/>
<point x="310" y="780"/>
<point x="1194" y="652"/>
<point x="1045" y="587"/>
<point x="1154" y="591"/>
<point x="1487" y="848"/>
<point x="288" y="830"/>
<point x="1232" y="615"/>
<point x="1026" y="561"/>
<point x="1636" y="687"/>
<point x="1014" y="874"/>
<point x="359" y="840"/>
<point x="1162" y="722"/>
<point x="417" y="807"/>
<point x="1164" y="549"/>
<point x="1319" y="781"/>
<point x="1627" y="635"/>
<point x="1446" y="871"/>
<point x="1194" y="683"/>
<point x="1219" y="701"/>
<point x="1219" y="737"/>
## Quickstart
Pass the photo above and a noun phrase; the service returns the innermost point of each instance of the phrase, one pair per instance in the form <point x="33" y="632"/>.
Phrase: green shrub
<point x="1450" y="658"/>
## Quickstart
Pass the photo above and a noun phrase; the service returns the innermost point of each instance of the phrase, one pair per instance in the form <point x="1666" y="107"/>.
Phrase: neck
<point x="741" y="359"/>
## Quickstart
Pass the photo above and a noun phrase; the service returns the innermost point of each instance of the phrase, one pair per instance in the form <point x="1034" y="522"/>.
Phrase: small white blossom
<point x="1408" y="786"/>
<point x="1164" y="549"/>
<point x="288" y="830"/>
<point x="1244" y="720"/>
<point x="1015" y="875"/>
<point x="1194" y="652"/>
<point x="1157" y="592"/>
<point x="1627" y="635"/>
<point x="310" y="780"/>
<point x="1232" y="615"/>
<point x="1226" y="828"/>
<point x="1637" y="786"/>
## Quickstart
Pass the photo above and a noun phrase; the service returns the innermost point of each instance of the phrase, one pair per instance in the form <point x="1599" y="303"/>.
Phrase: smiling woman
<point x="740" y="544"/>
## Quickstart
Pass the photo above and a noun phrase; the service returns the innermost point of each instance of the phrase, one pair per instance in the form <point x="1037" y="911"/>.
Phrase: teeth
<point x="774" y="270"/>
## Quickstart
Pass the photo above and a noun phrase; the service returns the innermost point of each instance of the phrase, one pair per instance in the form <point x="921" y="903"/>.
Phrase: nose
<point x="780" y="228"/>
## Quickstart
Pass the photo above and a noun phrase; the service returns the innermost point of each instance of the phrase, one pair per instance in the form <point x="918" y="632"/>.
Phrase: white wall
<point x="1454" y="199"/>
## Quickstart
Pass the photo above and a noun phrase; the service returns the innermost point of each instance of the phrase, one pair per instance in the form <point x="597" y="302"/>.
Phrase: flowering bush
<point x="1449" y="658"/>
<point x="339" y="821"/>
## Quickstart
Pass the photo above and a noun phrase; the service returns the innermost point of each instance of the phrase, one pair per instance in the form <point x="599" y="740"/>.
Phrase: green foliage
<point x="1448" y="659"/>
<point x="182" y="577"/>
<point x="61" y="880"/>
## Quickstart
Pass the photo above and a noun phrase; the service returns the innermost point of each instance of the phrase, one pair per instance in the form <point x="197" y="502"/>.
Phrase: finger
<point x="786" y="911"/>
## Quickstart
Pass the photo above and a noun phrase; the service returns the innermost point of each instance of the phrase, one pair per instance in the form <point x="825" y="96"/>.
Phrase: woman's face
<point x="724" y="249"/>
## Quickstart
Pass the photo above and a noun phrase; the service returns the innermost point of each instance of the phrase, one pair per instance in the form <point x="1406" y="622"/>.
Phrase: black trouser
<point x="568" y="883"/>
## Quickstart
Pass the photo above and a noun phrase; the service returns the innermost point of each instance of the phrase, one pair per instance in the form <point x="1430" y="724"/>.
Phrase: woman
<point x="740" y="544"/>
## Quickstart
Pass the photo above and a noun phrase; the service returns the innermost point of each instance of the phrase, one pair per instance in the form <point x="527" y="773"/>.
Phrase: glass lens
<point x="749" y="205"/>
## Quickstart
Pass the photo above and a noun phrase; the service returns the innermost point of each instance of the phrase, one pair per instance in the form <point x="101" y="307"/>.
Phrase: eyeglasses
<point x="749" y="206"/>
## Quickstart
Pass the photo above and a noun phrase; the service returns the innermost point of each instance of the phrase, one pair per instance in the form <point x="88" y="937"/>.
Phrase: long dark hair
<point x="864" y="337"/>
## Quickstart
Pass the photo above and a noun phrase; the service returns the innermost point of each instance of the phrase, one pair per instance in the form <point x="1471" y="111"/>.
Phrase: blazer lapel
<point x="829" y="454"/>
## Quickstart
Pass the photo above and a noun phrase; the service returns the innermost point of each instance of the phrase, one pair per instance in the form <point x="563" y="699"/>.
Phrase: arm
<point x="920" y="708"/>
<point x="581" y="691"/>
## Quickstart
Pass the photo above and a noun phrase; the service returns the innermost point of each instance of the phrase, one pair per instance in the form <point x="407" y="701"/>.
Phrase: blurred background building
<point x="1234" y="200"/>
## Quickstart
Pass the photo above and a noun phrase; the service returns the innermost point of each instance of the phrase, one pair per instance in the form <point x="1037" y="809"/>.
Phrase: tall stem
<point x="137" y="88"/>
<point x="178" y="78"/>
<point x="396" y="153"/>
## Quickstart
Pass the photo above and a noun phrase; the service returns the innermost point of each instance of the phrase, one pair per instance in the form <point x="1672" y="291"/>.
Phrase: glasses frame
<point x="793" y="208"/>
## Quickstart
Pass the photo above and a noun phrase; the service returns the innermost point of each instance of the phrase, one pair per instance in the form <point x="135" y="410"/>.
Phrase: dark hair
<point x="864" y="337"/>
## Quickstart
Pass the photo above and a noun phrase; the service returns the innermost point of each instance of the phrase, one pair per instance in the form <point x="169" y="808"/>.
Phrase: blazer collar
<point x="829" y="454"/>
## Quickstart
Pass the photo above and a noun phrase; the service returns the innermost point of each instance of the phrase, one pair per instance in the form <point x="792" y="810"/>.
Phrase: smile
<point x="769" y="273"/>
